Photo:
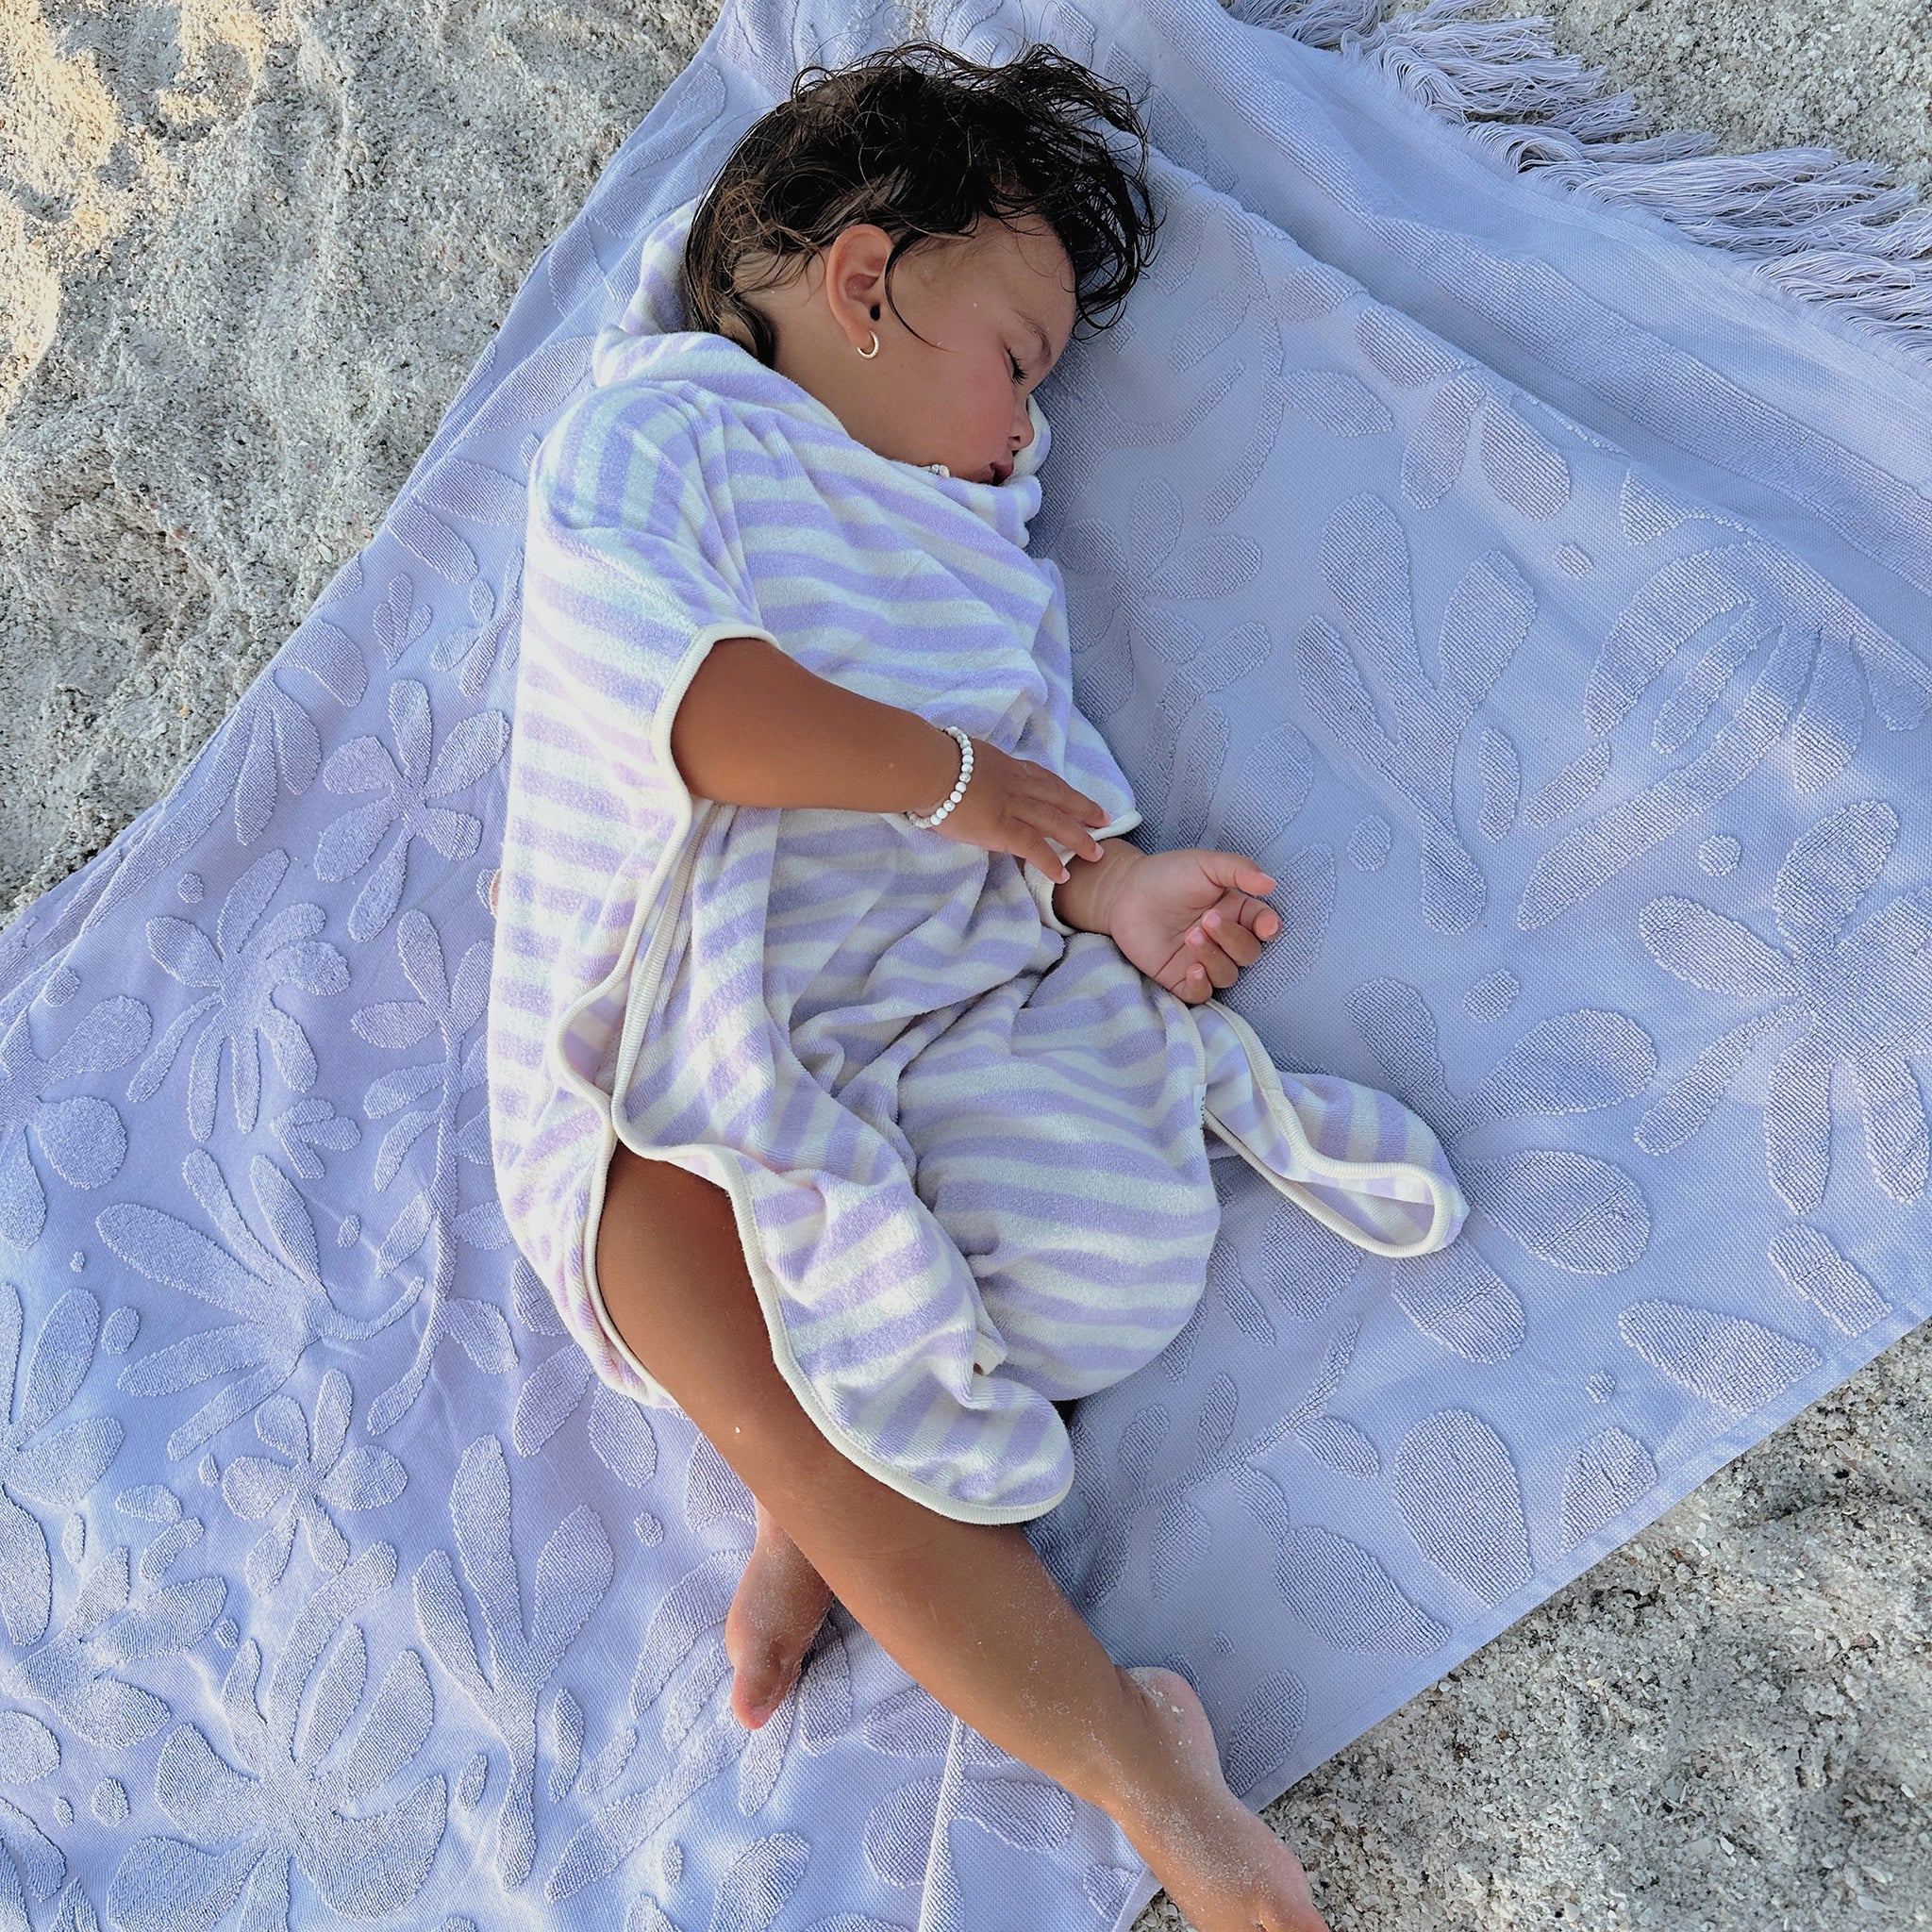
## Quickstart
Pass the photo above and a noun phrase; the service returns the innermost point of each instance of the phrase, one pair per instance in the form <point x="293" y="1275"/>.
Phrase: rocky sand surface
<point x="249" y="249"/>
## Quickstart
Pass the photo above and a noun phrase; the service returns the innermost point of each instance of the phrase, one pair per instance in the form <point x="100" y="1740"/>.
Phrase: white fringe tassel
<point x="1832" y="231"/>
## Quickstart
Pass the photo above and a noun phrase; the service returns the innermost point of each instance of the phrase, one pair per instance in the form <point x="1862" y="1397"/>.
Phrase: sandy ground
<point x="248" y="250"/>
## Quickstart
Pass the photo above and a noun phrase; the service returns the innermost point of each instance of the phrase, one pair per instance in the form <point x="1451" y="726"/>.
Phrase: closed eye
<point x="1018" y="374"/>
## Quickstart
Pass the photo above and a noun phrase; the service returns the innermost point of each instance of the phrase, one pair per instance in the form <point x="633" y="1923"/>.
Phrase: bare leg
<point x="779" y="1605"/>
<point x="966" y="1609"/>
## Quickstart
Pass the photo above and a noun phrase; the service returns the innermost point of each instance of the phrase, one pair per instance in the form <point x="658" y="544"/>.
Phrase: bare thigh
<point x="673" y="1275"/>
<point x="673" y="1278"/>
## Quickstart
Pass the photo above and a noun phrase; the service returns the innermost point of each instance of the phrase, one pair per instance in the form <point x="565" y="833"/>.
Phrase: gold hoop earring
<point x="870" y="353"/>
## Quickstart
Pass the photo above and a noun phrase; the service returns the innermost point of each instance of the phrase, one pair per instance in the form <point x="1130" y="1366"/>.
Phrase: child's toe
<point x="756" y="1696"/>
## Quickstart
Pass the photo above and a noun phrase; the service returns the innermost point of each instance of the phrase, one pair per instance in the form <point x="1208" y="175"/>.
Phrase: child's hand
<point x="1011" y="805"/>
<point x="1190" y="920"/>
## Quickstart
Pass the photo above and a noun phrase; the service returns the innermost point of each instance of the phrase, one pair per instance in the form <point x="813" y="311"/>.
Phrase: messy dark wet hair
<point x="923" y="142"/>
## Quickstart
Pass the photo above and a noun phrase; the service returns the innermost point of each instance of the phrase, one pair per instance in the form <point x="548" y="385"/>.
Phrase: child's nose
<point x="1023" y="427"/>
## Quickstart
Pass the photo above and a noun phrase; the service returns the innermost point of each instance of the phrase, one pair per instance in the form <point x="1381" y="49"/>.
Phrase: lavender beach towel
<point x="1529" y="568"/>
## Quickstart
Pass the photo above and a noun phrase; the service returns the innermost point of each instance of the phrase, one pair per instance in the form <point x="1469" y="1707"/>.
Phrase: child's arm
<point x="755" y="727"/>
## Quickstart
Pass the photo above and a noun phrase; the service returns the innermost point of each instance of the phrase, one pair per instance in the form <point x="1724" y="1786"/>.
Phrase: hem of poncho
<point x="640" y="981"/>
<point x="697" y="1157"/>
<point x="1448" y="1206"/>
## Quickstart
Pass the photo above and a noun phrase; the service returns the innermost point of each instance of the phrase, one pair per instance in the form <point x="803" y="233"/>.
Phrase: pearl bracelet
<point x="959" y="791"/>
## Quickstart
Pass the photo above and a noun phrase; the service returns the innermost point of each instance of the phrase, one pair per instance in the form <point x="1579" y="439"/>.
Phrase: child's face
<point x="995" y="308"/>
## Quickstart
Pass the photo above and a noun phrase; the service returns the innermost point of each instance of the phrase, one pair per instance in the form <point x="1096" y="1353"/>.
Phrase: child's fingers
<point x="1242" y="946"/>
<point x="1206" y="953"/>
<point x="1255" y="914"/>
<point x="1050" y="805"/>
<point x="1231" y="868"/>
<point x="1236" y="917"/>
<point x="1075" y="836"/>
<point x="1048" y="861"/>
<point x="1088" y="811"/>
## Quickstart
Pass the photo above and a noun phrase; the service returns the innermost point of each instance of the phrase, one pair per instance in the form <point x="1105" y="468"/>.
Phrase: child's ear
<point x="855" y="275"/>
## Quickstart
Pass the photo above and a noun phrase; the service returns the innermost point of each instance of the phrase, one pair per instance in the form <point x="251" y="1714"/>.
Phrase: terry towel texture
<point x="965" y="1143"/>
<point x="1543" y="596"/>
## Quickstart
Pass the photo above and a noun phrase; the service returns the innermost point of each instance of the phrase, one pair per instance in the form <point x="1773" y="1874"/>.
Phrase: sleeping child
<point x="851" y="1067"/>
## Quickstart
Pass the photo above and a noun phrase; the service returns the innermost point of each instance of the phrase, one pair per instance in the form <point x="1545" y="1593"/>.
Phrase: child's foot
<point x="1225" y="1869"/>
<point x="781" y="1601"/>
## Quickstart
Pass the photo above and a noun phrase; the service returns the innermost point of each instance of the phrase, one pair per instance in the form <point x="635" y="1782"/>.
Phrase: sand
<point x="248" y="251"/>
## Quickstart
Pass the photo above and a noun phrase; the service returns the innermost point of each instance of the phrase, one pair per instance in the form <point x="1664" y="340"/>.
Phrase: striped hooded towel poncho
<point x="965" y="1143"/>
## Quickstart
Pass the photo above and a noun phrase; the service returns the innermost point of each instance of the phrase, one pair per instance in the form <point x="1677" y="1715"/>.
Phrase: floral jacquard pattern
<point x="1369" y="685"/>
<point x="296" y="1799"/>
<point x="1573" y="1210"/>
<point x="472" y="654"/>
<point x="572" y="1573"/>
<point x="1858" y="994"/>
<point x="238" y="974"/>
<point x="80" y="1135"/>
<point x="427" y="1100"/>
<point x="1772" y="655"/>
<point x="310" y="1474"/>
<point x="411" y="782"/>
<point x="272" y="1289"/>
<point x="976" y="1784"/>
<point x="1519" y="464"/>
<point x="680" y="1670"/>
<point x="43" y="1460"/>
<point x="31" y="1865"/>
<point x="124" y="1619"/>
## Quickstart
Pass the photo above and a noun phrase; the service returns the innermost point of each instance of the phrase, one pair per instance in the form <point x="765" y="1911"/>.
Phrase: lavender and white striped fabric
<point x="965" y="1143"/>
